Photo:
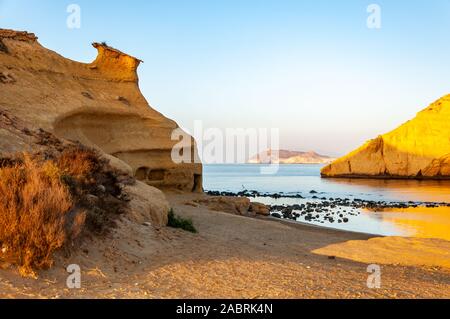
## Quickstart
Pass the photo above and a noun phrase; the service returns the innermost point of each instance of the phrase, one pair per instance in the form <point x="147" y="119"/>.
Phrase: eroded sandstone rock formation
<point x="98" y="104"/>
<point x="147" y="203"/>
<point x="418" y="149"/>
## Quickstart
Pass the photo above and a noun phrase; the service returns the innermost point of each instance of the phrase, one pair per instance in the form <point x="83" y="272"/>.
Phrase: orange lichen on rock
<point x="419" y="148"/>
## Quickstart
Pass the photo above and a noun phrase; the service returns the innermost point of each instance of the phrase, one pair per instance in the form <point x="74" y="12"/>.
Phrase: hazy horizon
<point x="313" y="69"/>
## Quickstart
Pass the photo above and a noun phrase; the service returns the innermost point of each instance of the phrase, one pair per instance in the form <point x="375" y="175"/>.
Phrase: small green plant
<point x="179" y="222"/>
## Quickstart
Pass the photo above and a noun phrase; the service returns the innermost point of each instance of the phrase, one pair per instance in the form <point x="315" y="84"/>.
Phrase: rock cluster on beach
<point x="418" y="149"/>
<point x="322" y="209"/>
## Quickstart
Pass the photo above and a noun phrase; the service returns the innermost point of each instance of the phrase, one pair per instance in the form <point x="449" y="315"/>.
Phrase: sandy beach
<point x="240" y="257"/>
<point x="224" y="150"/>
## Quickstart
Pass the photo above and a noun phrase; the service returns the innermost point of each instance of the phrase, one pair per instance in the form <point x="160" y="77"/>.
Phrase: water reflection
<point x="419" y="222"/>
<point x="399" y="190"/>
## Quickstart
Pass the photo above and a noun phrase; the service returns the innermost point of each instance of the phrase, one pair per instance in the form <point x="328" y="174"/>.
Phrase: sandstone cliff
<point x="98" y="104"/>
<point x="418" y="149"/>
<point x="147" y="204"/>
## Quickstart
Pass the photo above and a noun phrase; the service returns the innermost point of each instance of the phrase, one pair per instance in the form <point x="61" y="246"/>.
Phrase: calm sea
<point x="302" y="179"/>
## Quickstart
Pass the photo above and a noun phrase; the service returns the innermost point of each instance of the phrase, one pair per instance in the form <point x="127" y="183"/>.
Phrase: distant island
<point x="290" y="157"/>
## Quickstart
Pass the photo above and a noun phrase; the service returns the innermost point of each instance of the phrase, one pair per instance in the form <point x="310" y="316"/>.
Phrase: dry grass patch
<point x="48" y="200"/>
<point x="33" y="208"/>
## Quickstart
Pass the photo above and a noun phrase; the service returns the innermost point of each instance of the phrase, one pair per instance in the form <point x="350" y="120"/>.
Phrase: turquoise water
<point x="302" y="179"/>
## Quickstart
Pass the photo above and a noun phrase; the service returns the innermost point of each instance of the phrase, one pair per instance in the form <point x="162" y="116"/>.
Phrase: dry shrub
<point x="33" y="206"/>
<point x="48" y="200"/>
<point x="94" y="186"/>
<point x="77" y="162"/>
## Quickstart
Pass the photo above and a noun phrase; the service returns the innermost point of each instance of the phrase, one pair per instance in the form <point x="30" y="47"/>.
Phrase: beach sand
<point x="240" y="257"/>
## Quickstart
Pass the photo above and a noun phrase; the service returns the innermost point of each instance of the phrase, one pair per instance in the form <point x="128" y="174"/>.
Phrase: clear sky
<point x="311" y="68"/>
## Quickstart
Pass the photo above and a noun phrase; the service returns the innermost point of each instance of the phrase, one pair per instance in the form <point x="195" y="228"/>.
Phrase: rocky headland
<point x="418" y="149"/>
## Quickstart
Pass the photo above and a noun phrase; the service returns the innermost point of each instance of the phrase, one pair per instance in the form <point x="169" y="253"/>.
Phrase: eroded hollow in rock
<point x="156" y="175"/>
<point x="143" y="143"/>
<point x="141" y="173"/>
<point x="198" y="183"/>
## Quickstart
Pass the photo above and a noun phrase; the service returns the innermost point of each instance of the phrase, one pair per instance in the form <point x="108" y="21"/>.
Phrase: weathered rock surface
<point x="98" y="104"/>
<point x="259" y="209"/>
<point x="148" y="204"/>
<point x="419" y="149"/>
<point x="231" y="205"/>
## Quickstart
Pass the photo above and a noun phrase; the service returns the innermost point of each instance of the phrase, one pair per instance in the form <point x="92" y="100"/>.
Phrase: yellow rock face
<point x="98" y="104"/>
<point x="419" y="148"/>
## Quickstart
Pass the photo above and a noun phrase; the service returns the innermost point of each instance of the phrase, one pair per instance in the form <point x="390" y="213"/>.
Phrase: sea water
<point x="305" y="180"/>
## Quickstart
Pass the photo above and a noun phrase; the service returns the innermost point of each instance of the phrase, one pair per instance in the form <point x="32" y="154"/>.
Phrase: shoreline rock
<point x="324" y="210"/>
